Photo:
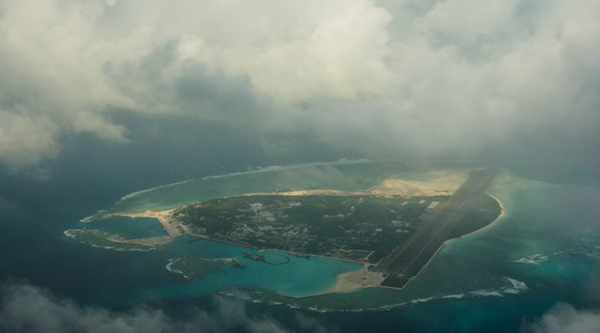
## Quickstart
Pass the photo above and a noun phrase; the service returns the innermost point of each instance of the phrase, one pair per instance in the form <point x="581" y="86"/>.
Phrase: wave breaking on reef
<point x="81" y="236"/>
<point x="135" y="194"/>
<point x="290" y="167"/>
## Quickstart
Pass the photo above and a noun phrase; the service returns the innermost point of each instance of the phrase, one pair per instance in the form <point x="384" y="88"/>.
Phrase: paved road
<point x="405" y="263"/>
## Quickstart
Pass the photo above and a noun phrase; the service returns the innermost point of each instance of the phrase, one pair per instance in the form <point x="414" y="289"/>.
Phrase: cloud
<point x="563" y="318"/>
<point x="26" y="140"/>
<point x="94" y="123"/>
<point x="26" y="308"/>
<point x="372" y="78"/>
<point x="343" y="56"/>
<point x="51" y="83"/>
<point x="471" y="75"/>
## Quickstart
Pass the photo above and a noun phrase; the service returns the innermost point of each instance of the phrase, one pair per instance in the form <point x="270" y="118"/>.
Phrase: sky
<point x="94" y="92"/>
<point x="287" y="82"/>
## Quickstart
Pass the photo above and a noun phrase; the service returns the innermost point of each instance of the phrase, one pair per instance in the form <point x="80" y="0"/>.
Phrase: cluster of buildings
<point x="315" y="225"/>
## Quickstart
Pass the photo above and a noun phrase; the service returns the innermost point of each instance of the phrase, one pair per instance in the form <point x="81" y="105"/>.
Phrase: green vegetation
<point x="362" y="228"/>
<point x="483" y="212"/>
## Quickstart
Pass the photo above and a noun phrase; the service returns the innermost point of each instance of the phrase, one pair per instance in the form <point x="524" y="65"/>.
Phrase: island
<point x="392" y="234"/>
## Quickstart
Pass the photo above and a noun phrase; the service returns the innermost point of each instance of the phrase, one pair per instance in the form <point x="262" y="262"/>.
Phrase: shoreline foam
<point x="350" y="281"/>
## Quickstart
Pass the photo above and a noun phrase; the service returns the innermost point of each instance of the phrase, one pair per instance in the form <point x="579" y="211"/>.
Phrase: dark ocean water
<point x="546" y="249"/>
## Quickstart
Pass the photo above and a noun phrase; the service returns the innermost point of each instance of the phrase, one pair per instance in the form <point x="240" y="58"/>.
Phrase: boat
<point x="302" y="255"/>
<point x="253" y="256"/>
<point x="238" y="265"/>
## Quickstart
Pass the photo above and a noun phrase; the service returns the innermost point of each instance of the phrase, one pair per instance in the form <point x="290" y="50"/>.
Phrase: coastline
<point x="502" y="212"/>
<point x="349" y="281"/>
<point x="496" y="220"/>
<point x="353" y="280"/>
<point x="345" y="282"/>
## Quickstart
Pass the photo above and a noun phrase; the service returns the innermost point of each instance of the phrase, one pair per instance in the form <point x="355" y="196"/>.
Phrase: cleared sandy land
<point x="173" y="227"/>
<point x="407" y="184"/>
<point x="421" y="184"/>
<point x="354" y="280"/>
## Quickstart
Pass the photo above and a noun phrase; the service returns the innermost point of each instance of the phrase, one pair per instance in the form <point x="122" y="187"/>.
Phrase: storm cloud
<point x="510" y="79"/>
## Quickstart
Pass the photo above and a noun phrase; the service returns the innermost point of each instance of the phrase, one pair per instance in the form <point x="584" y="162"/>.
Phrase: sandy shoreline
<point x="443" y="184"/>
<point x="362" y="278"/>
<point x="346" y="282"/>
<point x="502" y="210"/>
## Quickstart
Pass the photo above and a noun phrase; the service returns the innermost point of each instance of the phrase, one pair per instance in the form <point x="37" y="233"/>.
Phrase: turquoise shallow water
<point x="127" y="227"/>
<point x="299" y="277"/>
<point x="547" y="242"/>
<point x="344" y="175"/>
<point x="280" y="273"/>
<point x="536" y="249"/>
<point x="545" y="249"/>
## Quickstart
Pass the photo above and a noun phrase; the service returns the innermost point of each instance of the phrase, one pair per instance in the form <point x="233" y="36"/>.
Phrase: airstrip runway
<point x="405" y="263"/>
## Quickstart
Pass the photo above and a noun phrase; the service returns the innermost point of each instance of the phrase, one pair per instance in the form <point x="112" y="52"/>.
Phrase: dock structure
<point x="405" y="263"/>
